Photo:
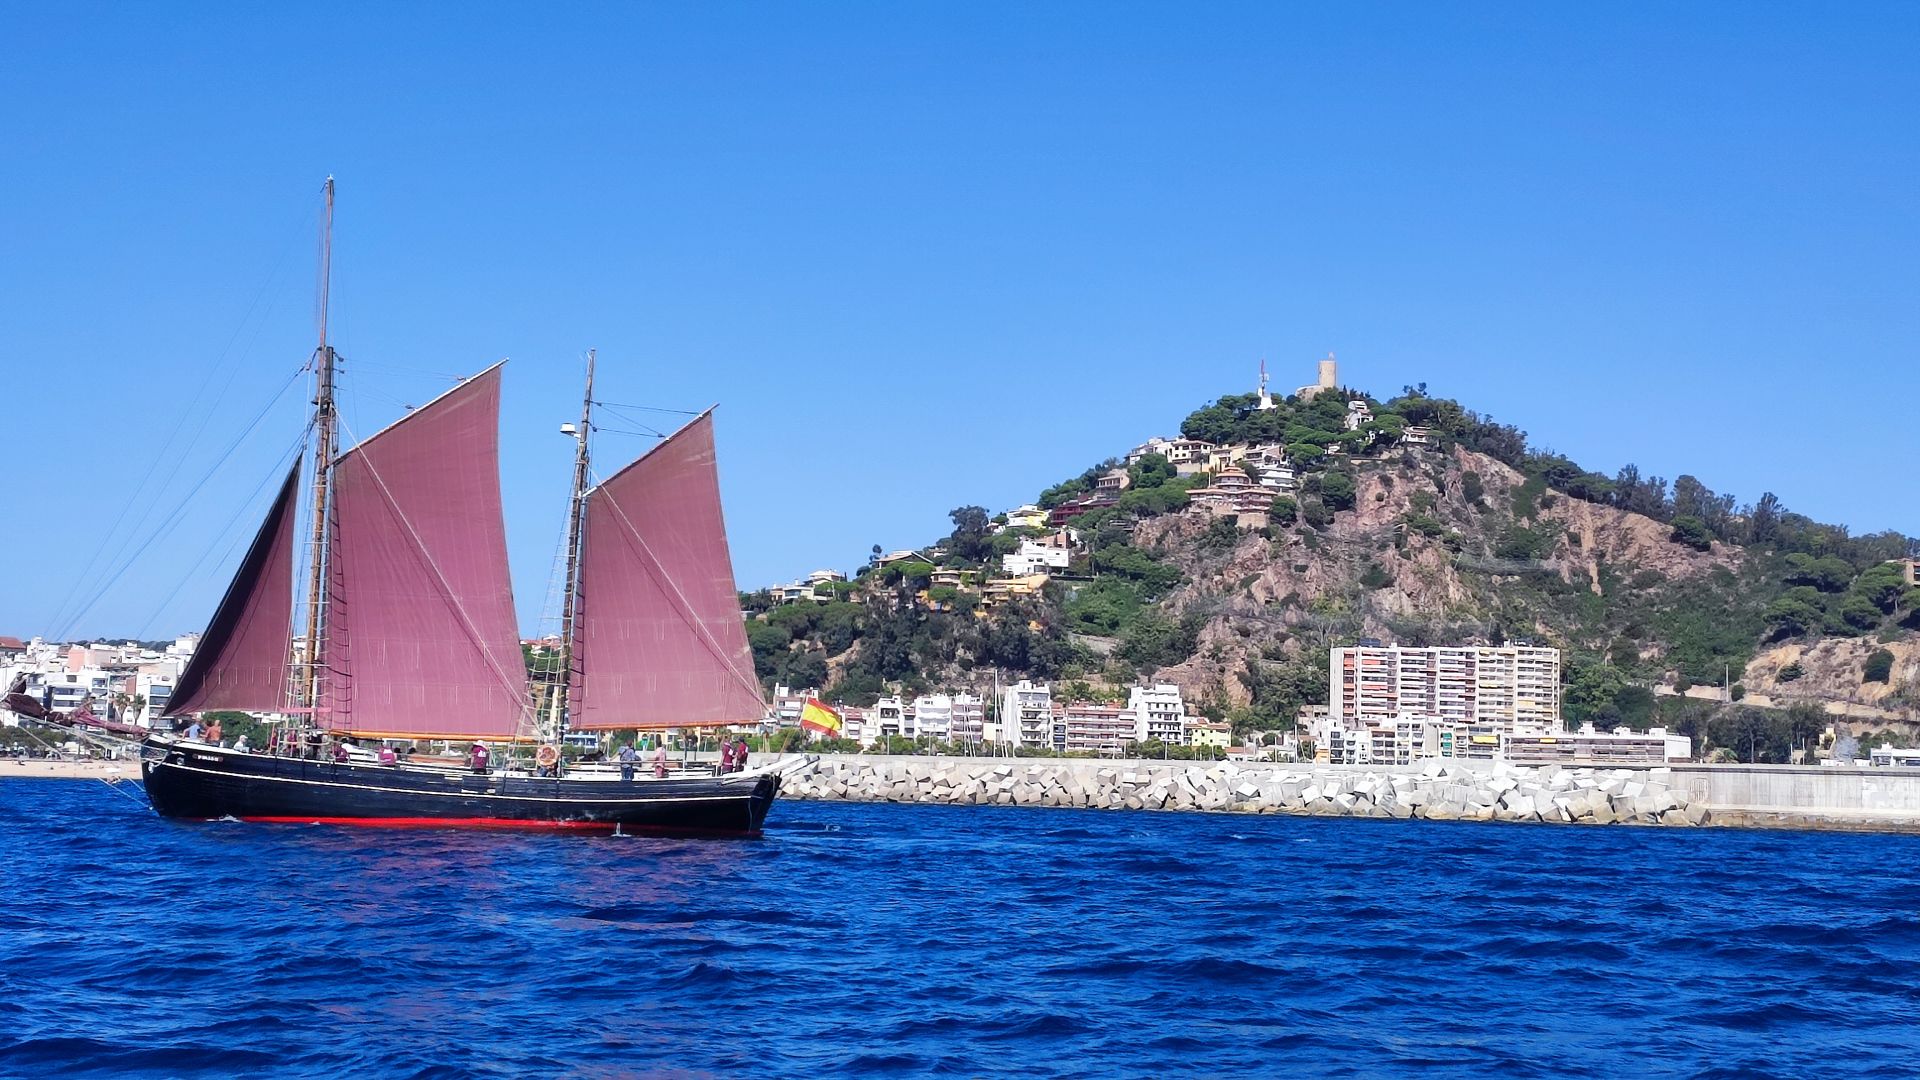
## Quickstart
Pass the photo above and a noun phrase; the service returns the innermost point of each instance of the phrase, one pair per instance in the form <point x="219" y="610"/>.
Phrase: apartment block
<point x="1026" y="716"/>
<point x="1510" y="687"/>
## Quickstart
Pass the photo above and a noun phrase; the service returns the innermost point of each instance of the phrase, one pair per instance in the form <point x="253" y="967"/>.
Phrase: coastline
<point x="1737" y="796"/>
<point x="1696" y="795"/>
<point x="58" y="769"/>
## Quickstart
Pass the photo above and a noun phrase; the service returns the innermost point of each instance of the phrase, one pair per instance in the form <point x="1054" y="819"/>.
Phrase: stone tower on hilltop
<point x="1329" y="379"/>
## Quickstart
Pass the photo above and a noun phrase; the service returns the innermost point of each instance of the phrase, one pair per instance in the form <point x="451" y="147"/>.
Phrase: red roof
<point x="12" y="643"/>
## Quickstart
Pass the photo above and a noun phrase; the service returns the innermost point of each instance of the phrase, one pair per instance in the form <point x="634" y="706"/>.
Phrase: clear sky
<point x="930" y="255"/>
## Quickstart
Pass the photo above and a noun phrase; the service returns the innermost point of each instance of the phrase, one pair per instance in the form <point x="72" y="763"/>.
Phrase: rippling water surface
<point x="873" y="940"/>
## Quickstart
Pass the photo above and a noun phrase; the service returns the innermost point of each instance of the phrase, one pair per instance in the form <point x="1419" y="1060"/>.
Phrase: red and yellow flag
<point x="815" y="716"/>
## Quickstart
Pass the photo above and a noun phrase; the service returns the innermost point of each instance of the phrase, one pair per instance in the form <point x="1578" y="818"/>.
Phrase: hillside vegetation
<point x="1474" y="537"/>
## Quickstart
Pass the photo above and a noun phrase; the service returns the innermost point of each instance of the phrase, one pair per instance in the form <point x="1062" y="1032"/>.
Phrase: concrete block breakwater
<point x="1434" y="791"/>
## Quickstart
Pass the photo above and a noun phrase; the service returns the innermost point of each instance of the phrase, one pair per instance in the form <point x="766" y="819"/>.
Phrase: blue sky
<point x="927" y="255"/>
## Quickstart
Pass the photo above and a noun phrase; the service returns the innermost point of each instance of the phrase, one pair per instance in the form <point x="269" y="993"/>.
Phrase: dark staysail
<point x="241" y="662"/>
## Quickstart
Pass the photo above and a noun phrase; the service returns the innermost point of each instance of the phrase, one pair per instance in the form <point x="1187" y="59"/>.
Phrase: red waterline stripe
<point x="491" y="823"/>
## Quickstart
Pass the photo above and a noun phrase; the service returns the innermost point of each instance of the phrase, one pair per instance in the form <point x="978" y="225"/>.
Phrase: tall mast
<point x="323" y="425"/>
<point x="576" y="516"/>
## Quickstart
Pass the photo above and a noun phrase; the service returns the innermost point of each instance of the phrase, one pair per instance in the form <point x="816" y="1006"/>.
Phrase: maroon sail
<point x="241" y="660"/>
<point x="421" y="639"/>
<point x="658" y="638"/>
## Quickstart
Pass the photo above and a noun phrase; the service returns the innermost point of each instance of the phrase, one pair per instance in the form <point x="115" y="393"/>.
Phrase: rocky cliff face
<point x="1435" y="548"/>
<point x="1832" y="669"/>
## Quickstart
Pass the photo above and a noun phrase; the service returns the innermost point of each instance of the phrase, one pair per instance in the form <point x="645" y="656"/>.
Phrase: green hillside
<point x="1471" y="536"/>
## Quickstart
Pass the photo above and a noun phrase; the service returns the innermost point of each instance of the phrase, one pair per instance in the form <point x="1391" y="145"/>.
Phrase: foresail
<point x="421" y="638"/>
<point x="658" y="637"/>
<point x="241" y="661"/>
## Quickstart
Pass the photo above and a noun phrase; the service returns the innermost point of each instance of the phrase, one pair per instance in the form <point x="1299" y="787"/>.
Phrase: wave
<point x="886" y="940"/>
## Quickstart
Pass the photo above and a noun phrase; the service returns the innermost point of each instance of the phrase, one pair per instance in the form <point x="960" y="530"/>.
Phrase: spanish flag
<point x="815" y="716"/>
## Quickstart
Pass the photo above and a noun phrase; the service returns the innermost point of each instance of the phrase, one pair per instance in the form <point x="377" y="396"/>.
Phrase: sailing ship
<point x="410" y="634"/>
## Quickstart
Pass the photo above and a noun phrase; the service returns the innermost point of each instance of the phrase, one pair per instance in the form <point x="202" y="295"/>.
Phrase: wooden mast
<point x="570" y="605"/>
<point x="323" y="424"/>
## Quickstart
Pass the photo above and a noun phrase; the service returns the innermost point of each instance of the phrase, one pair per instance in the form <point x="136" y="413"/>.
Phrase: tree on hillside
<point x="1151" y="471"/>
<point x="1472" y="488"/>
<point x="1879" y="667"/>
<point x="1763" y="521"/>
<point x="1337" y="491"/>
<point x="1640" y="495"/>
<point x="1855" y="614"/>
<point x="1881" y="585"/>
<point x="1691" y="531"/>
<point x="1798" y="611"/>
<point x="1829" y="574"/>
<point x="972" y="537"/>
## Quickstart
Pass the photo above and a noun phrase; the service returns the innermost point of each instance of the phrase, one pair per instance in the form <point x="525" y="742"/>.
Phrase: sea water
<point x="874" y="940"/>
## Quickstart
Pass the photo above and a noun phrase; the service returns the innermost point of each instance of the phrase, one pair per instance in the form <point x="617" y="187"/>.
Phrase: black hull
<point x="193" y="781"/>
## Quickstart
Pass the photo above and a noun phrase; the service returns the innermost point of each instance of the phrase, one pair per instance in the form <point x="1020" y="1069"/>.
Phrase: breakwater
<point x="1433" y="790"/>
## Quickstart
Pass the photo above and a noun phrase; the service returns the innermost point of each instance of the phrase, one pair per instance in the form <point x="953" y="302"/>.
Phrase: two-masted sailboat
<point x="410" y="634"/>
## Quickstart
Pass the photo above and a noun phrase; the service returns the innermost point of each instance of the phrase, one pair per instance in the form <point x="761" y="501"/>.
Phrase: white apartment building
<point x="1189" y="456"/>
<point x="1033" y="558"/>
<point x="1270" y="463"/>
<point x="1511" y="687"/>
<point x="127" y="682"/>
<point x="967" y="719"/>
<point x="1097" y="728"/>
<point x="788" y="703"/>
<point x="1159" y="712"/>
<point x="1025" y="517"/>
<point x="1620" y="746"/>
<point x="1155" y="445"/>
<point x="1026" y="715"/>
<point x="932" y="716"/>
<point x="887" y="719"/>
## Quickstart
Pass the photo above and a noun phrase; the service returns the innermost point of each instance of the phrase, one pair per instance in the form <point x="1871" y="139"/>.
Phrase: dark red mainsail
<point x="421" y="639"/>
<point x="241" y="661"/>
<point x="658" y="638"/>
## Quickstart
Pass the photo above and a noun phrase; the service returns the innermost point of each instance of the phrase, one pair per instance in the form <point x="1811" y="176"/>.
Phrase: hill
<point x="1230" y="560"/>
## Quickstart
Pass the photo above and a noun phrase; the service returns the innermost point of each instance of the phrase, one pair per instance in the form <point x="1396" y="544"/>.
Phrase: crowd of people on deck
<point x="315" y="745"/>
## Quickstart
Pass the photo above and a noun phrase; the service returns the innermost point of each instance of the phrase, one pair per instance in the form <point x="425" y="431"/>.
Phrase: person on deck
<point x="478" y="758"/>
<point x="387" y="756"/>
<point x="628" y="756"/>
<point x="660" y="760"/>
<point x="340" y="752"/>
<point x="740" y="754"/>
<point x="726" y="755"/>
<point x="213" y="732"/>
<point x="193" y="731"/>
<point x="240" y="744"/>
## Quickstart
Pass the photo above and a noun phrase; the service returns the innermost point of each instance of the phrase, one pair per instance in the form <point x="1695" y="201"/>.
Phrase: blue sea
<point x="968" y="941"/>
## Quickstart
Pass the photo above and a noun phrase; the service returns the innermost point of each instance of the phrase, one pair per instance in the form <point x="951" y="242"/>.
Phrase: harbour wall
<point x="1803" y="796"/>
<point x="1434" y="790"/>
<point x="1751" y="795"/>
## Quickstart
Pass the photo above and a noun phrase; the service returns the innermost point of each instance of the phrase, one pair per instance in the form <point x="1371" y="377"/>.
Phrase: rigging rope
<point x="164" y="453"/>
<point x="298" y="449"/>
<point x="174" y="519"/>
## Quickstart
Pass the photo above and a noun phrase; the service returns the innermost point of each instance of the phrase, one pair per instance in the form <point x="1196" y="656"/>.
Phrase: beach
<point x="56" y="769"/>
